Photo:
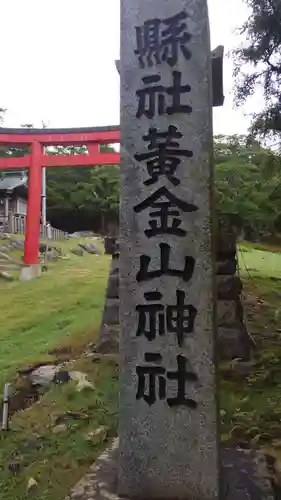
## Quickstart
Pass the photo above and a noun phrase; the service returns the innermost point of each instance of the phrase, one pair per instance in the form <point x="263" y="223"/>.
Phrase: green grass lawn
<point x="58" y="461"/>
<point x="64" y="306"/>
<point x="60" y="310"/>
<point x="259" y="262"/>
<point x="251" y="406"/>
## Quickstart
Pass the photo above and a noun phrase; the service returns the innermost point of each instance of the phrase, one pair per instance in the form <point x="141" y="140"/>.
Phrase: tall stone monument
<point x="168" y="404"/>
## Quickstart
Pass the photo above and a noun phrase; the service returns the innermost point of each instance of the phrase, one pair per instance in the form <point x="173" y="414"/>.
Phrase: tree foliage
<point x="248" y="185"/>
<point x="247" y="182"/>
<point x="258" y="63"/>
<point x="82" y="197"/>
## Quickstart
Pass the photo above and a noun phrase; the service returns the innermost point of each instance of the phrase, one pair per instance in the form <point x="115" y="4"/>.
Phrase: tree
<point x="261" y="58"/>
<point x="2" y="115"/>
<point x="82" y="198"/>
<point x="101" y="193"/>
<point x="248" y="185"/>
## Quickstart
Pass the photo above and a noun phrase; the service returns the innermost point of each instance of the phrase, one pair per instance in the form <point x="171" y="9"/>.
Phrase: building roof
<point x="11" y="181"/>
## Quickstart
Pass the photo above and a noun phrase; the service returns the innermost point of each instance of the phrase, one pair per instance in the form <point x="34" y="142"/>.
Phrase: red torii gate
<point x="93" y="138"/>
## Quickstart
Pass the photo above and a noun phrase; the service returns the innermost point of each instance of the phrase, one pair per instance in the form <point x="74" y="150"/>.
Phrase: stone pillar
<point x="168" y="408"/>
<point x="233" y="338"/>
<point x="110" y="329"/>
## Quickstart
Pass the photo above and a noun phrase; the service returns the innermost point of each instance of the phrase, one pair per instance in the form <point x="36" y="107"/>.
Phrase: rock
<point x="31" y="484"/>
<point x="89" y="248"/>
<point x="98" y="436"/>
<point x="52" y="255"/>
<point x="59" y="429"/>
<point x="70" y="415"/>
<point x="77" y="251"/>
<point x="42" y="247"/>
<point x="82" y="382"/>
<point x="43" y="375"/>
<point x="61" y="377"/>
<point x="31" y="368"/>
<point x="6" y="276"/>
<point x="17" y="243"/>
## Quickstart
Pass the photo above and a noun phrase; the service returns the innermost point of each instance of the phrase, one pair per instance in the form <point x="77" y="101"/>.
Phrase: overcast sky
<point x="57" y="62"/>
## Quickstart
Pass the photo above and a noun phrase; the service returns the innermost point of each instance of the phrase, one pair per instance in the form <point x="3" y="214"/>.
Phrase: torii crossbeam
<point x="93" y="138"/>
<point x="37" y="139"/>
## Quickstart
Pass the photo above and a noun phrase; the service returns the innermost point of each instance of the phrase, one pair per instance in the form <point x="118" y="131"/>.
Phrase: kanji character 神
<point x="155" y="318"/>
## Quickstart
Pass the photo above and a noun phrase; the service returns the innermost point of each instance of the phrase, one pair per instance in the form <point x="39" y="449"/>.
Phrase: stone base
<point x="245" y="477"/>
<point x="30" y="272"/>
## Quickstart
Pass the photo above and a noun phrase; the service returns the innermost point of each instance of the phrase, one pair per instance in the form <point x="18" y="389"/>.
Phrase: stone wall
<point x="233" y="340"/>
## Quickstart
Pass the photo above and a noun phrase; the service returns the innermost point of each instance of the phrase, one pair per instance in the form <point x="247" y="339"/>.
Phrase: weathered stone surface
<point x="217" y="75"/>
<point x="111" y="245"/>
<point x="226" y="266"/>
<point x="226" y="312"/>
<point x="245" y="477"/>
<point x="61" y="377"/>
<point x="97" y="436"/>
<point x="111" y="313"/>
<point x="43" y="375"/>
<point x="230" y="312"/>
<point x="167" y="452"/>
<point x="229" y="287"/>
<point x="112" y="291"/>
<point x="233" y="343"/>
<point x="229" y="315"/>
<point x="17" y="243"/>
<point x="114" y="268"/>
<point x="226" y="240"/>
<point x="6" y="276"/>
<point x="30" y="272"/>
<point x="89" y="248"/>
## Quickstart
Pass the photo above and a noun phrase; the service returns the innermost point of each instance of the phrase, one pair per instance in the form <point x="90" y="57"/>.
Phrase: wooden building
<point x="13" y="196"/>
